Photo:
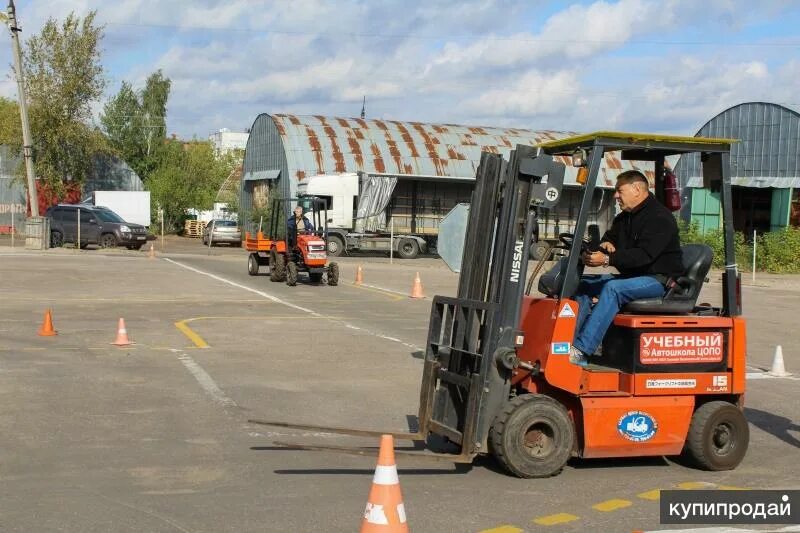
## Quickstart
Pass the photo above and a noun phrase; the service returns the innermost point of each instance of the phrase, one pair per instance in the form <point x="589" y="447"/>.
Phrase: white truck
<point x="131" y="206"/>
<point x="366" y="210"/>
<point x="362" y="207"/>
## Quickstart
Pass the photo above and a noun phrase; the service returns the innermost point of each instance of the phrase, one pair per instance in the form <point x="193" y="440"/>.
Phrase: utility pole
<point x="27" y="143"/>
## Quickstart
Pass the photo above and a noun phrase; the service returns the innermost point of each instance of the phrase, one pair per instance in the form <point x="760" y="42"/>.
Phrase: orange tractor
<point x="288" y="252"/>
<point x="497" y="377"/>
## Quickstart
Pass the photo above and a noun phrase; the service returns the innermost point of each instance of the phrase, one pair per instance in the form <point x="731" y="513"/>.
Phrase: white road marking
<point x="292" y="306"/>
<point x="204" y="379"/>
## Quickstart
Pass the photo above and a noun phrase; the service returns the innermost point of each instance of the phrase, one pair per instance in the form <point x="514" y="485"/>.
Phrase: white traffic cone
<point x="778" y="368"/>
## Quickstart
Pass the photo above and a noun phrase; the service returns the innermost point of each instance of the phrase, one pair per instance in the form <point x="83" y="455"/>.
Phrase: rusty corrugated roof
<point x="326" y="145"/>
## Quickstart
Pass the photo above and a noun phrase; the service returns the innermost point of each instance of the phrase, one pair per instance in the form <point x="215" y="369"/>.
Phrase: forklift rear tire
<point x="252" y="264"/>
<point x="718" y="436"/>
<point x="291" y="274"/>
<point x="277" y="266"/>
<point x="533" y="436"/>
<point x="333" y="274"/>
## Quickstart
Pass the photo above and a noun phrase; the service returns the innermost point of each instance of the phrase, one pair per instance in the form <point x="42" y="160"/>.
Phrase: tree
<point x="10" y="128"/>
<point x="135" y="122"/>
<point x="63" y="77"/>
<point x="187" y="176"/>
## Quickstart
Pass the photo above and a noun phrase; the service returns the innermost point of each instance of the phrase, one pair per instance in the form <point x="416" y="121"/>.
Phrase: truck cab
<point x="340" y="192"/>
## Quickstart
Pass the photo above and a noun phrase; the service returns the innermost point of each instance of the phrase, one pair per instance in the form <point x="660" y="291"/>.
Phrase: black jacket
<point x="646" y="241"/>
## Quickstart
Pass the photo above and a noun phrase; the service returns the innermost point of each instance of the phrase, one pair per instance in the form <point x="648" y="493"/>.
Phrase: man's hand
<point x="594" y="259"/>
<point x="608" y="247"/>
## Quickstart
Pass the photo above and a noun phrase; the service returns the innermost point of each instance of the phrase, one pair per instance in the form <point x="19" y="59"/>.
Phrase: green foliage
<point x="779" y="251"/>
<point x="776" y="251"/>
<point x="64" y="77"/>
<point x="10" y="125"/>
<point x="135" y="122"/>
<point x="187" y="176"/>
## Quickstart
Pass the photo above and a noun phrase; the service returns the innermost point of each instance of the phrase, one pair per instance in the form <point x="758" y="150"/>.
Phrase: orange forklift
<point x="497" y="378"/>
<point x="288" y="253"/>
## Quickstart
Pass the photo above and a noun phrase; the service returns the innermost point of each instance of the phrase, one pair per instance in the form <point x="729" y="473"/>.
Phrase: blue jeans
<point x="613" y="293"/>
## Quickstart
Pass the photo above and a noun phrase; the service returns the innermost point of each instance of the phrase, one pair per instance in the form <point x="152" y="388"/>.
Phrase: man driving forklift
<point x="643" y="245"/>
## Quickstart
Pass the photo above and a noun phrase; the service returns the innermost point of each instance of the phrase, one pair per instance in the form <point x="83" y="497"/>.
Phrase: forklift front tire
<point x="533" y="436"/>
<point x="718" y="436"/>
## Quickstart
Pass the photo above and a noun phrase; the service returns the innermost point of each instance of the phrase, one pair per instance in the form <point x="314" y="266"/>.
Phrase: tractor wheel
<point x="277" y="266"/>
<point x="291" y="274"/>
<point x="315" y="277"/>
<point x="408" y="249"/>
<point x="333" y="274"/>
<point x="335" y="245"/>
<point x="718" y="436"/>
<point x="252" y="264"/>
<point x="533" y="436"/>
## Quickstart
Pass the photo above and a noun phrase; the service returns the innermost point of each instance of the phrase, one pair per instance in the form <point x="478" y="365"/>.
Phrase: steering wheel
<point x="566" y="239"/>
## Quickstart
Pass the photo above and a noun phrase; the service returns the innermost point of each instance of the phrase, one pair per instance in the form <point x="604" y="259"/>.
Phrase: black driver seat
<point x="682" y="296"/>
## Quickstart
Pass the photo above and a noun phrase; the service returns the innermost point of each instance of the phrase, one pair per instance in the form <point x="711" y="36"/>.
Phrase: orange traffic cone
<point x="122" y="335"/>
<point x="152" y="251"/>
<point x="385" y="511"/>
<point x="359" y="276"/>
<point x="47" y="326"/>
<point x="416" y="289"/>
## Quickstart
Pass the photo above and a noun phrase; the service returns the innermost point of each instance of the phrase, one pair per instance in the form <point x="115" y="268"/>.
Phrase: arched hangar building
<point x="283" y="150"/>
<point x="765" y="170"/>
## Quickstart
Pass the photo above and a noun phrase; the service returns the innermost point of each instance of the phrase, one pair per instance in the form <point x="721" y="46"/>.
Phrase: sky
<point x="635" y="65"/>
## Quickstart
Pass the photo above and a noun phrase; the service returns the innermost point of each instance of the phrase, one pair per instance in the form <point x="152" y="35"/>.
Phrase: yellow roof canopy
<point x="643" y="140"/>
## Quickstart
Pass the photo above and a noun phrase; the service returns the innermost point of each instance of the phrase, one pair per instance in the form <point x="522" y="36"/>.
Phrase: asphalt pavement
<point x="154" y="436"/>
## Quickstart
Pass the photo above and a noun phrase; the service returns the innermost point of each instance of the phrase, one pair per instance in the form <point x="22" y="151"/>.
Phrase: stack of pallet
<point x="194" y="228"/>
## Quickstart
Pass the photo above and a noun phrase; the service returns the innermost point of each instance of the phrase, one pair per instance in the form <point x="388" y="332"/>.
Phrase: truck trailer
<point x="373" y="212"/>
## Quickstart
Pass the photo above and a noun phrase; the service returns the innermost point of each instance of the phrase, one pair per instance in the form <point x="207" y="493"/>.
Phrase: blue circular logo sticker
<point x="637" y="426"/>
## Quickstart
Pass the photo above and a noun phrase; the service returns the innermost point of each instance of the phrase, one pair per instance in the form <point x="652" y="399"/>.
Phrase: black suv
<point x="98" y="225"/>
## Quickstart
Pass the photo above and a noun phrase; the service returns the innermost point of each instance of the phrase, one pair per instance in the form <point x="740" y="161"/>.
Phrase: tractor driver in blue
<point x="297" y="224"/>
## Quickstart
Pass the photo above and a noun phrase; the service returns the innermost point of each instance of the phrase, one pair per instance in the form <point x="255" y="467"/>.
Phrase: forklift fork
<point x="431" y="369"/>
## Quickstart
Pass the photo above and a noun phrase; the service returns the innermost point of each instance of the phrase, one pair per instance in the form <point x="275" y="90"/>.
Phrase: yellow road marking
<point x="502" y="529"/>
<point x="199" y="342"/>
<point x="553" y="519"/>
<point x="730" y="487"/>
<point x="190" y="334"/>
<point x="696" y="485"/>
<point x="612" y="505"/>
<point x="650" y="495"/>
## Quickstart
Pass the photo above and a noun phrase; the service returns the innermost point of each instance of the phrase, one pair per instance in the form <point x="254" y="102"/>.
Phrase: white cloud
<point x="494" y="62"/>
<point x="534" y="93"/>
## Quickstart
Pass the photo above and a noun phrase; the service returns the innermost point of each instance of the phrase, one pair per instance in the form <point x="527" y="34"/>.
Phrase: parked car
<point x="98" y="225"/>
<point x="222" y="231"/>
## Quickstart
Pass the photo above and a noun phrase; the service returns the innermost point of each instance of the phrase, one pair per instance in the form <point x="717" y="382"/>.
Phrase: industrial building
<point x="225" y="140"/>
<point x="765" y="172"/>
<point x="282" y="150"/>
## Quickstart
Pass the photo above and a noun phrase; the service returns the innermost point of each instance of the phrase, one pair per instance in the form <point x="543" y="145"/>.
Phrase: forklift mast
<point x="472" y="338"/>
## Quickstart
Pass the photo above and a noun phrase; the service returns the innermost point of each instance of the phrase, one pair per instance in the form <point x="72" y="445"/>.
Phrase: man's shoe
<point x="576" y="357"/>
